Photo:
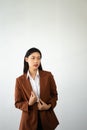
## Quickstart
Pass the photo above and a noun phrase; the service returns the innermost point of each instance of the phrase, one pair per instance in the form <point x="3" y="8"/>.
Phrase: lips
<point x="36" y="65"/>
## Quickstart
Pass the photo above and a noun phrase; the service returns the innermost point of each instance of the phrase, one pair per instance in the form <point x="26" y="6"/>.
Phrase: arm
<point x="53" y="96"/>
<point x="53" y="91"/>
<point x="20" y="102"/>
<point x="23" y="101"/>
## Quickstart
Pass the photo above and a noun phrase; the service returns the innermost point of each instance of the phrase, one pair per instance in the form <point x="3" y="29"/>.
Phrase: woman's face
<point x="33" y="60"/>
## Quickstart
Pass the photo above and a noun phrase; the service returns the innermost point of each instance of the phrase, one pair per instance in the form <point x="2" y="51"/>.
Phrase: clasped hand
<point x="41" y="105"/>
<point x="32" y="99"/>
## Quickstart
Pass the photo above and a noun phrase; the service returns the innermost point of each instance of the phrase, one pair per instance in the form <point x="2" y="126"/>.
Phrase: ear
<point x="26" y="59"/>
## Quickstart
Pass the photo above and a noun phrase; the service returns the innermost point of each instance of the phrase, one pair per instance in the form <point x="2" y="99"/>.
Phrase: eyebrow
<point x="36" y="56"/>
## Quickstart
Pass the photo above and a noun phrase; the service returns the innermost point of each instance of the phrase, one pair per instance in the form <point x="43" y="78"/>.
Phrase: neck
<point x="32" y="73"/>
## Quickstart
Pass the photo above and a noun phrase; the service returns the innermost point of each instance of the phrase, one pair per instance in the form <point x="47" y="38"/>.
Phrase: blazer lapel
<point x="41" y="84"/>
<point x="26" y="86"/>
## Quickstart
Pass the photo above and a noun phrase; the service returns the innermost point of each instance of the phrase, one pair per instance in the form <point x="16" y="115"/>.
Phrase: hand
<point x="42" y="105"/>
<point x="32" y="99"/>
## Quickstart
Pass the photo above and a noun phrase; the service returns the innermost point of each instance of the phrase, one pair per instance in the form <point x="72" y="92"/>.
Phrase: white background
<point x="59" y="29"/>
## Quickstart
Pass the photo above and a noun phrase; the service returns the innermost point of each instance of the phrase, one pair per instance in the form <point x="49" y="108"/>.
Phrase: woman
<point x="36" y="94"/>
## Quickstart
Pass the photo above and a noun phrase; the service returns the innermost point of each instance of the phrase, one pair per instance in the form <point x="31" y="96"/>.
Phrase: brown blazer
<point x="48" y="94"/>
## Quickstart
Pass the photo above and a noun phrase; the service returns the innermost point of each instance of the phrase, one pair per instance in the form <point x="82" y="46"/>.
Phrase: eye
<point x="32" y="57"/>
<point x="38" y="58"/>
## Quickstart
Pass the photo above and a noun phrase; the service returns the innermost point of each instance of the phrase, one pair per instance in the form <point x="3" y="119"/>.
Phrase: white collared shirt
<point x="35" y="83"/>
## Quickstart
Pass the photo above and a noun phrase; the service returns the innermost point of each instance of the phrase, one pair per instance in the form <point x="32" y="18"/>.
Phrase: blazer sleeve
<point x="20" y="102"/>
<point x="53" y="91"/>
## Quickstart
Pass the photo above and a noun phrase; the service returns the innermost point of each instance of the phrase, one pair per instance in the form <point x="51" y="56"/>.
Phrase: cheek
<point x="29" y="63"/>
<point x="39" y="62"/>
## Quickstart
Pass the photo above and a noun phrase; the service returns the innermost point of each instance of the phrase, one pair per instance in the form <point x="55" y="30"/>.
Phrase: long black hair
<point x="29" y="52"/>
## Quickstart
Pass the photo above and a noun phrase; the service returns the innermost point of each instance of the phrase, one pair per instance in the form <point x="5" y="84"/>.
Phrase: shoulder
<point x="21" y="77"/>
<point x="45" y="73"/>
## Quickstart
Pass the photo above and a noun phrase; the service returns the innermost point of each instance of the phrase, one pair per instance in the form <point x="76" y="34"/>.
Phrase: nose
<point x="36" y="60"/>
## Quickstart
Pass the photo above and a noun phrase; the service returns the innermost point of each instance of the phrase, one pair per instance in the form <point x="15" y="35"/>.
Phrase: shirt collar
<point x="29" y="76"/>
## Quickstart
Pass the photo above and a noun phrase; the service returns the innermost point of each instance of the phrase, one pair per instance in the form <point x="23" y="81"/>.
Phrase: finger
<point x="33" y="93"/>
<point x="41" y="102"/>
<point x="39" y="105"/>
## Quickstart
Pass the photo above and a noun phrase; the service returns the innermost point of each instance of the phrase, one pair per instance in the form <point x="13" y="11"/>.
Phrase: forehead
<point x="35" y="54"/>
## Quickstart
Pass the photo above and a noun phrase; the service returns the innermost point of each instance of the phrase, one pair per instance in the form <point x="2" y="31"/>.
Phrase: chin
<point x="35" y="68"/>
